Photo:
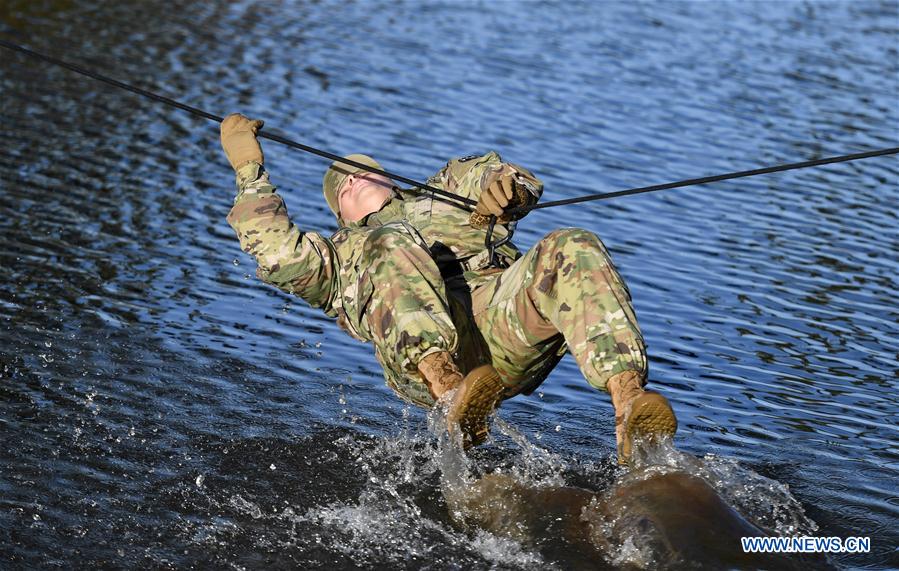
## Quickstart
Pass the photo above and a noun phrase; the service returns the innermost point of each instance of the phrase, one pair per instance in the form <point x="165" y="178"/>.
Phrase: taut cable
<point x="217" y="119"/>
<point x="712" y="178"/>
<point x="437" y="191"/>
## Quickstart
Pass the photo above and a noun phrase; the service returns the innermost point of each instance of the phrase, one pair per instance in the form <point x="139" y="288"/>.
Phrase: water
<point x="162" y="407"/>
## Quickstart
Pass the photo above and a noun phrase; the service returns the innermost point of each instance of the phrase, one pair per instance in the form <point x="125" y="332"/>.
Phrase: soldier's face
<point x="362" y="194"/>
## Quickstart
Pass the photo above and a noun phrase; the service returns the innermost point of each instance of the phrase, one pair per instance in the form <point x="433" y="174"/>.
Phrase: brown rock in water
<point x="668" y="520"/>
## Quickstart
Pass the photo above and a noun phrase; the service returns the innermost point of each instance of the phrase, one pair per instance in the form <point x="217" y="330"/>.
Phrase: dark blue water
<point x="161" y="407"/>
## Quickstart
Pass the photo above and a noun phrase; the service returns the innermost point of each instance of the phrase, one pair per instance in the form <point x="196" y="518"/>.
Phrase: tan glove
<point x="239" y="140"/>
<point x="501" y="195"/>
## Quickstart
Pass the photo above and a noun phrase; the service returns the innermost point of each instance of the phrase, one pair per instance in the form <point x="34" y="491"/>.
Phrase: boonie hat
<point x="337" y="174"/>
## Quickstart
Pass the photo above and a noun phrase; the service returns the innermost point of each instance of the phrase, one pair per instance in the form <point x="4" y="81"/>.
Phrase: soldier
<point x="409" y="272"/>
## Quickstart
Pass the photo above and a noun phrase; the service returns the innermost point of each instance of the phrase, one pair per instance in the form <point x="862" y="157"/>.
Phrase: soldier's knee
<point x="573" y="240"/>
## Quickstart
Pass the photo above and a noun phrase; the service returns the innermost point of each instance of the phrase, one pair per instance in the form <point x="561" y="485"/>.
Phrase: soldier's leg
<point x="410" y="321"/>
<point x="566" y="286"/>
<point x="564" y="291"/>
<point x="405" y="307"/>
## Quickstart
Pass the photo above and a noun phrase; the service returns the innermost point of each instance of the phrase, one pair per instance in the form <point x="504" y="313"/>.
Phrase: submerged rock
<point x="647" y="520"/>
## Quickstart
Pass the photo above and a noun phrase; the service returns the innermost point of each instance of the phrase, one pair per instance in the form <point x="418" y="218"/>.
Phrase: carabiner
<point x="491" y="245"/>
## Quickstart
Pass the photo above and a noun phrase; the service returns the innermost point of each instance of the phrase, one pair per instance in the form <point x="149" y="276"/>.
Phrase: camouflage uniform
<point x="414" y="278"/>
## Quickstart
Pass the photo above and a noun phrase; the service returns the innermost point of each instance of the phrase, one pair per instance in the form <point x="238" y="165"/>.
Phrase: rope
<point x="217" y="119"/>
<point x="468" y="201"/>
<point x="708" y="179"/>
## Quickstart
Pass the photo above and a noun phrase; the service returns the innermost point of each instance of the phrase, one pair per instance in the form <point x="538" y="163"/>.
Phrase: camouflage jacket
<point x="325" y="271"/>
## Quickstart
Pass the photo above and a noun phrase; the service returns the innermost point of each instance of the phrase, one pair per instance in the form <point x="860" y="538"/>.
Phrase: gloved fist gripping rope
<point x="507" y="191"/>
<point x="239" y="141"/>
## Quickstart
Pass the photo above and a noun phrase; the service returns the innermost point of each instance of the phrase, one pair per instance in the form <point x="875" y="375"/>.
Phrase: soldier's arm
<point x="469" y="176"/>
<point x="301" y="263"/>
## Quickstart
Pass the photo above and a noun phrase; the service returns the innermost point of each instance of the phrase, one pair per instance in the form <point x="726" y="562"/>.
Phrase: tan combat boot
<point x="638" y="413"/>
<point x="440" y="373"/>
<point x="479" y="394"/>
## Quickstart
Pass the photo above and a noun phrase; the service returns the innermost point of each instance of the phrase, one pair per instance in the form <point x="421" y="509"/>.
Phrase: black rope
<point x="216" y="118"/>
<point x="708" y="179"/>
<point x="468" y="201"/>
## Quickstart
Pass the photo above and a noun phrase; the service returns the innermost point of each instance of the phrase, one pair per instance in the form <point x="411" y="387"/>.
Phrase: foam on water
<point x="386" y="522"/>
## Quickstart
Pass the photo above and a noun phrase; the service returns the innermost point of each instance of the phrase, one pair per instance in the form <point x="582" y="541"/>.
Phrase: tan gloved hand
<point x="501" y="195"/>
<point x="239" y="140"/>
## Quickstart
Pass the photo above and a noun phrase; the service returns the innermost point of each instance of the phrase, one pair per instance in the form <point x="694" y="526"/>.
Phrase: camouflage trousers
<point x="563" y="295"/>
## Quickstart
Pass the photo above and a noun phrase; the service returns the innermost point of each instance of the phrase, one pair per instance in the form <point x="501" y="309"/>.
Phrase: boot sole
<point x="651" y="418"/>
<point x="478" y="397"/>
